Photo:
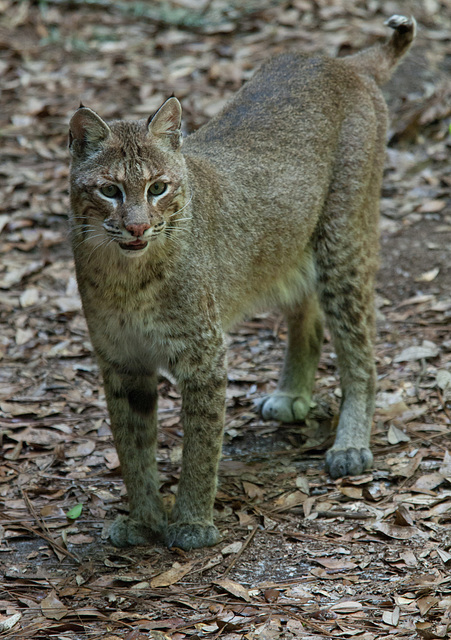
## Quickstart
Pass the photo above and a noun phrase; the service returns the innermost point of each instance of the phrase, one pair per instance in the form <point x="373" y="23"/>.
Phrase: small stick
<point x="44" y="533"/>
<point x="240" y="552"/>
<point x="443" y="403"/>
<point x="34" y="513"/>
<point x="306" y="621"/>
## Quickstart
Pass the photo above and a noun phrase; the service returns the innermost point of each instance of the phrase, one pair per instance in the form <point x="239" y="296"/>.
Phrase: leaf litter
<point x="302" y="555"/>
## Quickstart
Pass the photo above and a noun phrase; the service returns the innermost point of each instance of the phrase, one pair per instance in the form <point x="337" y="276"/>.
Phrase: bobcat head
<point x="128" y="180"/>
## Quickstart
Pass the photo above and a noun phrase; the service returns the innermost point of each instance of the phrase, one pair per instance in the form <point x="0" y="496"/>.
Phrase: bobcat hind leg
<point x="291" y="401"/>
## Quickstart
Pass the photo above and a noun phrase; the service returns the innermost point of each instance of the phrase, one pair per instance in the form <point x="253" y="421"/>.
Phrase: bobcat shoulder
<point x="273" y="202"/>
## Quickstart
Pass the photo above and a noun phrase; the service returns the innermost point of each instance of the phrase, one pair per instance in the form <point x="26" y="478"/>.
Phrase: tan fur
<point x="274" y="202"/>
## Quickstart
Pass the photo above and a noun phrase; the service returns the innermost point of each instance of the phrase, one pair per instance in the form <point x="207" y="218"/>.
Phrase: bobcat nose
<point x="137" y="230"/>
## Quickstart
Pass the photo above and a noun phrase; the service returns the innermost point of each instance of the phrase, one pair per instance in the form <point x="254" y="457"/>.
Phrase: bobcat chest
<point x="135" y="339"/>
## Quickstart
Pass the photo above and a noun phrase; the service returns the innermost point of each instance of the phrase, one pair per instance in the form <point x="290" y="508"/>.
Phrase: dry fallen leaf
<point x="8" y="622"/>
<point x="426" y="350"/>
<point x="234" y="588"/>
<point x="24" y="335"/>
<point x="83" y="449"/>
<point x="426" y="603"/>
<point x="271" y="595"/>
<point x="391" y="617"/>
<point x="173" y="575"/>
<point x="432" y="206"/>
<point x="111" y="459"/>
<point x="52" y="607"/>
<point x="289" y="500"/>
<point x="355" y="493"/>
<point x="395" y="531"/>
<point x="395" y="435"/>
<point x="428" y="276"/>
<point x="302" y="484"/>
<point x="444" y="556"/>
<point x="428" y="482"/>
<point x="403" y="517"/>
<point x="333" y="564"/>
<point x="346" y="606"/>
<point x="29" y="297"/>
<point x="443" y="380"/>
<point x="234" y="547"/>
<point x="252" y="490"/>
<point x="445" y="469"/>
<point x="409" y="558"/>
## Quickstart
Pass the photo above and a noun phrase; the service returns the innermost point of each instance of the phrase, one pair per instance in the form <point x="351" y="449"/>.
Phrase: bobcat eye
<point x="110" y="191"/>
<point x="157" y="188"/>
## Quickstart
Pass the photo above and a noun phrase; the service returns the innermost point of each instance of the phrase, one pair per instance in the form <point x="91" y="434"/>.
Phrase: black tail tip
<point x="402" y="24"/>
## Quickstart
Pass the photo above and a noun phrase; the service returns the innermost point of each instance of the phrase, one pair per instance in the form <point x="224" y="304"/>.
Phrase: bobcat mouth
<point x="136" y="245"/>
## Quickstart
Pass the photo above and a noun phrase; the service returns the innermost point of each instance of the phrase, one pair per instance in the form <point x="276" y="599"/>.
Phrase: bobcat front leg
<point x="132" y="405"/>
<point x="202" y="379"/>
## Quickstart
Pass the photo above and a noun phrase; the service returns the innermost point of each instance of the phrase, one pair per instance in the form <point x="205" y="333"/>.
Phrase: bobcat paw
<point x="125" y="532"/>
<point x="191" y="535"/>
<point x="348" y="462"/>
<point x="284" y="407"/>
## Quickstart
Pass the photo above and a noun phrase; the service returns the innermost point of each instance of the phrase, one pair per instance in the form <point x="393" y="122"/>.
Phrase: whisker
<point x="181" y="209"/>
<point x="100" y="244"/>
<point x="80" y="225"/>
<point x="80" y="228"/>
<point x="176" y="240"/>
<point x="182" y="219"/>
<point x="88" y="238"/>
<point x="171" y="228"/>
<point x="79" y="232"/>
<point x="80" y="220"/>
<point x="112" y="240"/>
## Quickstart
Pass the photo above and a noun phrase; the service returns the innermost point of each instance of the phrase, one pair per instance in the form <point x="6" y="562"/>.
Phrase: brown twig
<point x="306" y="621"/>
<point x="34" y="513"/>
<point x="43" y="532"/>
<point x="240" y="552"/>
<point x="443" y="403"/>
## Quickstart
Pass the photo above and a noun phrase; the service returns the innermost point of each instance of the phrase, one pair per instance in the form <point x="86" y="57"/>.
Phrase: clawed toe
<point x="125" y="532"/>
<point x="192" y="535"/>
<point x="284" y="407"/>
<point x="348" y="462"/>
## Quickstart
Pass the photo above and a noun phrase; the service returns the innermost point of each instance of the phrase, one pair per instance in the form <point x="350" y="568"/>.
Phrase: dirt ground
<point x="302" y="556"/>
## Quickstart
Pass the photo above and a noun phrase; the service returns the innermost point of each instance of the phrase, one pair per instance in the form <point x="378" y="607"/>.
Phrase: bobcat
<point x="275" y="202"/>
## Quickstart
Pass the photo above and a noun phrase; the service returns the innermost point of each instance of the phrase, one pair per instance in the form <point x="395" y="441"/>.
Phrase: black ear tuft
<point x="150" y="118"/>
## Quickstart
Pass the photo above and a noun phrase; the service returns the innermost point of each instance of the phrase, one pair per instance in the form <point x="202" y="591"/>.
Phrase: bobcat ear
<point x="167" y="122"/>
<point x="87" y="128"/>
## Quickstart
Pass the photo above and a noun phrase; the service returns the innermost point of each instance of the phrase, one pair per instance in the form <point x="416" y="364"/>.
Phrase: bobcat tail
<point x="380" y="61"/>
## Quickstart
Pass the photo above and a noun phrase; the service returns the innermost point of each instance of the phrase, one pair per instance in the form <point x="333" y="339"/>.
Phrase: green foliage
<point x="75" y="512"/>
